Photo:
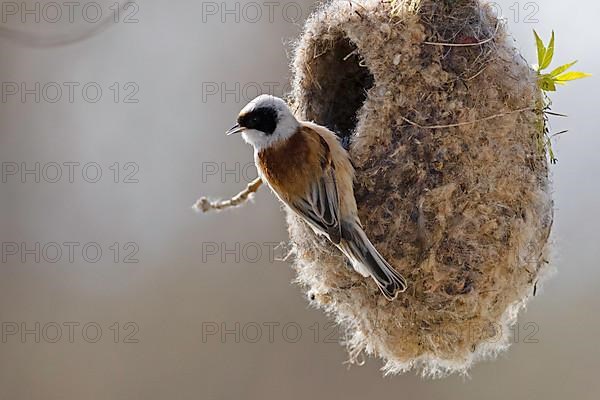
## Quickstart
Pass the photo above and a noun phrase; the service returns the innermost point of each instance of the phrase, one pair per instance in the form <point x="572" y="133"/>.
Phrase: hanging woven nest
<point x="437" y="109"/>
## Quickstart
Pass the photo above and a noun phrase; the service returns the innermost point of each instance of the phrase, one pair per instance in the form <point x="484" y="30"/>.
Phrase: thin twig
<point x="205" y="205"/>
<point x="477" y="74"/>
<point x="467" y="122"/>
<point x="350" y="55"/>
<point x="466" y="44"/>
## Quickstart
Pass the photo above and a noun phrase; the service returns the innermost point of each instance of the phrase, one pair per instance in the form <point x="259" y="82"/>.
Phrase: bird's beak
<point x="235" y="129"/>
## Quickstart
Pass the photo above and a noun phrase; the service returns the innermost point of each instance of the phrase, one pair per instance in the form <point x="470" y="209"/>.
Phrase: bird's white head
<point x="265" y="121"/>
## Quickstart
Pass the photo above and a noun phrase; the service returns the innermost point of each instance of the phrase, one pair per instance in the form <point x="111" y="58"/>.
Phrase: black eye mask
<point x="261" y="119"/>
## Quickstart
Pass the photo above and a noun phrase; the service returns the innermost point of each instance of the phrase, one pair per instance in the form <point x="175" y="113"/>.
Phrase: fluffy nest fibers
<point x="438" y="111"/>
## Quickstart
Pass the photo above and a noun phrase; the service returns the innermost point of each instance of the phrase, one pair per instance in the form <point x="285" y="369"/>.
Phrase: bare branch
<point x="205" y="205"/>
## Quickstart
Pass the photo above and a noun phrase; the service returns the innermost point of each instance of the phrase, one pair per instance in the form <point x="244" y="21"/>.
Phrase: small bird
<point x="308" y="169"/>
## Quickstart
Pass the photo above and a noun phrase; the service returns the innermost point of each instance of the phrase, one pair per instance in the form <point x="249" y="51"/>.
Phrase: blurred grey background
<point x="186" y="306"/>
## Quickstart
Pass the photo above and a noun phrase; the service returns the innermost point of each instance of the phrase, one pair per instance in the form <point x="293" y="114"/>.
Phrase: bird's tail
<point x="367" y="261"/>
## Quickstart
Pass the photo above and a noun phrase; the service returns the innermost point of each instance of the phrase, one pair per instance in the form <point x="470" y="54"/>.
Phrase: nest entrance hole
<point x="340" y="83"/>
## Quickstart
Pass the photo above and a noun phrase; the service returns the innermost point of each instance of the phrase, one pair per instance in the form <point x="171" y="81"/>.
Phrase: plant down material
<point x="440" y="115"/>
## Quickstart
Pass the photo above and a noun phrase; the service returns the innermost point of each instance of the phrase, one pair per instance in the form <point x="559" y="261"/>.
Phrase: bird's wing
<point x="321" y="205"/>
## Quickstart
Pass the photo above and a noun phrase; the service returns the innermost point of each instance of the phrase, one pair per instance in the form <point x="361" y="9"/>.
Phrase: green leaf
<point x="559" y="133"/>
<point x="541" y="49"/>
<point x="548" y="86"/>
<point x="548" y="54"/>
<point x="559" y="70"/>
<point x="555" y="114"/>
<point x="571" y="76"/>
<point x="547" y="83"/>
